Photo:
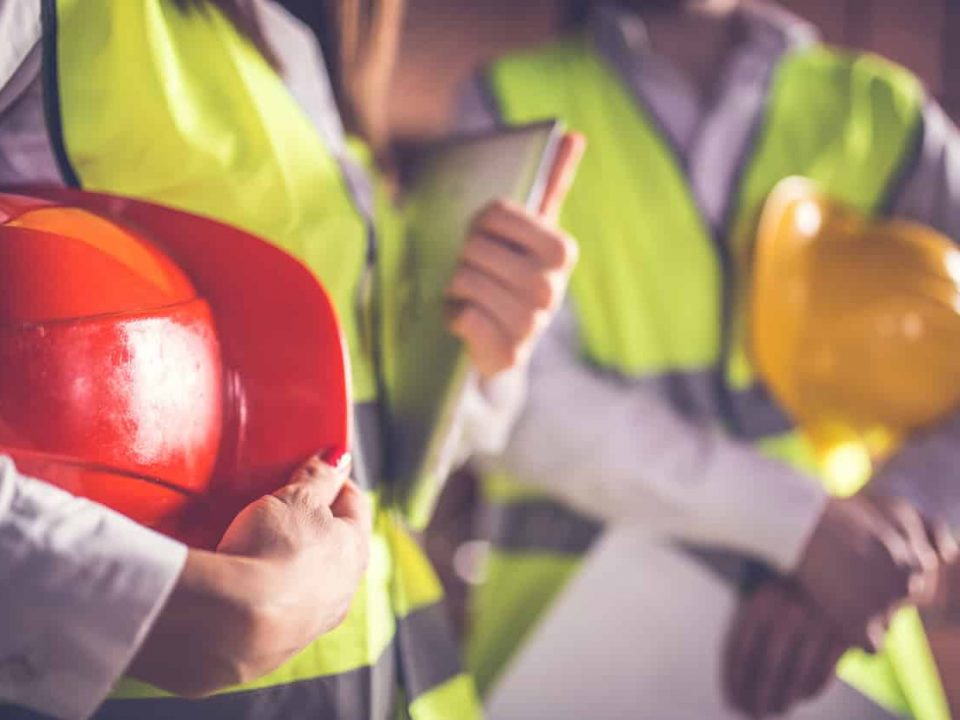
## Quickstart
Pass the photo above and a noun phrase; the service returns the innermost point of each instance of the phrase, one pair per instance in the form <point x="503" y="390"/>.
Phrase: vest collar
<point x="712" y="140"/>
<point x="622" y="37"/>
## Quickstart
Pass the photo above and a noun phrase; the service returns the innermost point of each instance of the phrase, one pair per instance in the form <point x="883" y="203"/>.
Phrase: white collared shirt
<point x="80" y="586"/>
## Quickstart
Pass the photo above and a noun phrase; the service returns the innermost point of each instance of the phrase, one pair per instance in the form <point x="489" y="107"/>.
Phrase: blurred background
<point x="920" y="34"/>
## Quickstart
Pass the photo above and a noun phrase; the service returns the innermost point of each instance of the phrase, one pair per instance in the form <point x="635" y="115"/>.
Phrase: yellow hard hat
<point x="855" y="322"/>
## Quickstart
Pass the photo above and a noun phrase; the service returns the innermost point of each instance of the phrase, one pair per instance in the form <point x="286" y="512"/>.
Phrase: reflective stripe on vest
<point x="660" y="293"/>
<point x="176" y="107"/>
<point x="538" y="525"/>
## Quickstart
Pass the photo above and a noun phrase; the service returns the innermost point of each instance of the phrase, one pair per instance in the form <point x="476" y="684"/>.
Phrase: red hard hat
<point x="166" y="365"/>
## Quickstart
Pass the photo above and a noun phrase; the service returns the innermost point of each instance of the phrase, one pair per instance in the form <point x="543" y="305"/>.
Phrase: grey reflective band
<point x="726" y="146"/>
<point x="539" y="526"/>
<point x="753" y="414"/>
<point x="367" y="450"/>
<point x="298" y="51"/>
<point x="730" y="567"/>
<point x="423" y="646"/>
<point x="749" y="414"/>
<point x="545" y="526"/>
<point x="620" y="37"/>
<point x="362" y="694"/>
<point x="694" y="393"/>
<point x="427" y="651"/>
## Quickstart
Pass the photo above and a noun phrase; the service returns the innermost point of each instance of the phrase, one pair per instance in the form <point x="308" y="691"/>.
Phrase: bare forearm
<point x="285" y="573"/>
<point x="207" y="625"/>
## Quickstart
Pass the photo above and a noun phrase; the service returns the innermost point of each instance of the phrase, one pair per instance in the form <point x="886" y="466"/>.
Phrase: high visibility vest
<point x="175" y="106"/>
<point x="659" y="297"/>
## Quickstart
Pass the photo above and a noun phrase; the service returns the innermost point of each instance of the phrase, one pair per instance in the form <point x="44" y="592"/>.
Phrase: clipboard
<point x="450" y="184"/>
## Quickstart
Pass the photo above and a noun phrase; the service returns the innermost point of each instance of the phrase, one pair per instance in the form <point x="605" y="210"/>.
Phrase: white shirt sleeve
<point x="618" y="452"/>
<point x="20" y="32"/>
<point x="487" y="414"/>
<point x="81" y="586"/>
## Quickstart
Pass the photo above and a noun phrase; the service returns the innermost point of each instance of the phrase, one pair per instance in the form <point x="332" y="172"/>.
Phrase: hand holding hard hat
<point x="304" y="545"/>
<point x="168" y="366"/>
<point x="853" y="324"/>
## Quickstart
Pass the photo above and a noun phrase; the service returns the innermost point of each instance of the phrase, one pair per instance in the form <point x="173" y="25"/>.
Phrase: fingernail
<point x="335" y="457"/>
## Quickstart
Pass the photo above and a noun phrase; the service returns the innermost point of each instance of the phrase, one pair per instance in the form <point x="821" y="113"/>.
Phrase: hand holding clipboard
<point x="514" y="271"/>
<point x="487" y="268"/>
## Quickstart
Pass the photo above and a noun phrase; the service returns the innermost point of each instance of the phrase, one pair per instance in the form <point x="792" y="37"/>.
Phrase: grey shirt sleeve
<point x="926" y="470"/>
<point x="616" y="451"/>
<point x="82" y="585"/>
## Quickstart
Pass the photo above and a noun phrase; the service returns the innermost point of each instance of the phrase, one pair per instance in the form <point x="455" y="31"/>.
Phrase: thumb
<point x="324" y="474"/>
<point x="562" y="174"/>
<point x="351" y="504"/>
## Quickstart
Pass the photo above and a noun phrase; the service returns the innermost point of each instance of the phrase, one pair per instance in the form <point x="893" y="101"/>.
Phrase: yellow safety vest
<point x="174" y="106"/>
<point x="659" y="297"/>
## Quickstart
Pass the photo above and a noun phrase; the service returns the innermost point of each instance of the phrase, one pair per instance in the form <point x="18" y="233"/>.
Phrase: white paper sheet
<point x="638" y="635"/>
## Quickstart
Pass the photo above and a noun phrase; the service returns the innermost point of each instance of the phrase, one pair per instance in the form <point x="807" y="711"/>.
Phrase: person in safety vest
<point x="317" y="602"/>
<point x="644" y="405"/>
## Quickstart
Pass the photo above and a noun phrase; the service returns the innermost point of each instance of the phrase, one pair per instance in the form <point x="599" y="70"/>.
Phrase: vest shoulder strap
<point x="644" y="306"/>
<point x="533" y="84"/>
<point x="847" y="120"/>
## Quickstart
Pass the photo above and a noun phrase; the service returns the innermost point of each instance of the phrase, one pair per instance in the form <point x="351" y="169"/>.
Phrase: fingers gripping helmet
<point x="166" y="365"/>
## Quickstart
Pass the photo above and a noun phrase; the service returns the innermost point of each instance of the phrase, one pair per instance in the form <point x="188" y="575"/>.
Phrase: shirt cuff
<point x="82" y="587"/>
<point x="490" y="410"/>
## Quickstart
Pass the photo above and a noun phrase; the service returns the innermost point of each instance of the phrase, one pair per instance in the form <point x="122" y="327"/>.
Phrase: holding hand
<point x="931" y="539"/>
<point x="782" y="650"/>
<point x="514" y="273"/>
<point x="868" y="556"/>
<point x="315" y="532"/>
<point x="285" y="573"/>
